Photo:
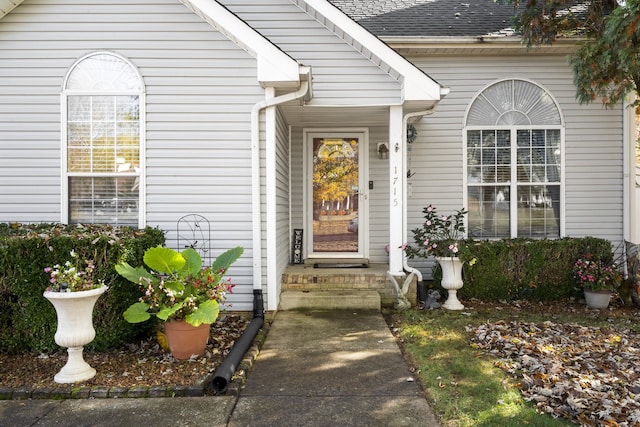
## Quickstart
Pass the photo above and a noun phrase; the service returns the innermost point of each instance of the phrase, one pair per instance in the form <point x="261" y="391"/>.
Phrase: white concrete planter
<point x="451" y="281"/>
<point x="75" y="330"/>
<point x="597" y="299"/>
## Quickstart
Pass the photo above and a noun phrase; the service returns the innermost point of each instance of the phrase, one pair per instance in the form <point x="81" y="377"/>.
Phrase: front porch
<point x="317" y="286"/>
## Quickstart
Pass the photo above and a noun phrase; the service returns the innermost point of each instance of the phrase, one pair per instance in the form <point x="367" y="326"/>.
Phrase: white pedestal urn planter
<point x="451" y="281"/>
<point x="75" y="330"/>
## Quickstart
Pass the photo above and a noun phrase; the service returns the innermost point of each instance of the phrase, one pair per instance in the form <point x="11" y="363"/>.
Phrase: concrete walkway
<point x="331" y="368"/>
<point x="316" y="368"/>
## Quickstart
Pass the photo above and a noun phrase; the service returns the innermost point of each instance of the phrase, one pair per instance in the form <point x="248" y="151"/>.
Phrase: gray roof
<point x="431" y="18"/>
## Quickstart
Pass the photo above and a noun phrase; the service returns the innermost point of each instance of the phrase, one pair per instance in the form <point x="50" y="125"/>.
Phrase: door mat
<point x="341" y="265"/>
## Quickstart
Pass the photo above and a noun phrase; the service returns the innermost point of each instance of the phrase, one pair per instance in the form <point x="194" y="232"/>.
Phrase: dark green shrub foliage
<point x="27" y="320"/>
<point x="539" y="270"/>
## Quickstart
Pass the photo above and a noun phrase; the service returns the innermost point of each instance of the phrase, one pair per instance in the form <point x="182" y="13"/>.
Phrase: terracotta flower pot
<point x="185" y="340"/>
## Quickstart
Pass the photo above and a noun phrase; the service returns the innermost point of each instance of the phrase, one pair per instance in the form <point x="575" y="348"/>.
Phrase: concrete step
<point x="335" y="299"/>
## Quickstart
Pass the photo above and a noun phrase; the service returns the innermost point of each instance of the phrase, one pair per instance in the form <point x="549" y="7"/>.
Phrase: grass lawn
<point x="463" y="382"/>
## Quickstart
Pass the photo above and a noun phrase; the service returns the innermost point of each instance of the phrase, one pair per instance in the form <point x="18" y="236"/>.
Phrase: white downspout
<point x="255" y="172"/>
<point x="626" y="168"/>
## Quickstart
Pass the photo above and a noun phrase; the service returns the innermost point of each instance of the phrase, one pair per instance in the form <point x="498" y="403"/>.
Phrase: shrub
<point x="27" y="320"/>
<point x="540" y="270"/>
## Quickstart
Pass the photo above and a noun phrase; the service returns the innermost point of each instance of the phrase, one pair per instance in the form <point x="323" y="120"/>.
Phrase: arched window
<point x="103" y="116"/>
<point x="513" y="141"/>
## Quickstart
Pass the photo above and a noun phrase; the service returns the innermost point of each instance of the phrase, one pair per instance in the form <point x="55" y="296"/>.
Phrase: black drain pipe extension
<point x="222" y="376"/>
<point x="422" y="294"/>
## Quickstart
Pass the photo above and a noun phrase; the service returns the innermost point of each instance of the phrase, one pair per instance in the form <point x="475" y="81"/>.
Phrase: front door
<point x="336" y="196"/>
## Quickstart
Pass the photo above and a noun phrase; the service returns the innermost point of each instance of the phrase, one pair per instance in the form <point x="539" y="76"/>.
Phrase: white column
<point x="396" y="190"/>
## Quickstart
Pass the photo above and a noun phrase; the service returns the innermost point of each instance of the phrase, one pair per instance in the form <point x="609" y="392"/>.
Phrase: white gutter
<point x="478" y="45"/>
<point x="302" y="92"/>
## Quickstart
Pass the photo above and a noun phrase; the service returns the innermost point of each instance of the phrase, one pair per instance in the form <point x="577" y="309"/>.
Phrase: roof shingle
<point x="431" y="18"/>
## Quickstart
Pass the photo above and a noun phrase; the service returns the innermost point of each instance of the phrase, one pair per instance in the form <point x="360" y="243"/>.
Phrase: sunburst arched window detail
<point x="103" y="103"/>
<point x="513" y="143"/>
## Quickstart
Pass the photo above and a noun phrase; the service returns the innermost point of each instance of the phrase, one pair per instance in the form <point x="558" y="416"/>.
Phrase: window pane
<point x="474" y="157"/>
<point x="103" y="72"/>
<point x="79" y="133"/>
<point x="103" y="108"/>
<point x="539" y="211"/>
<point x="79" y="159"/>
<point x="553" y="155"/>
<point x="488" y="211"/>
<point x="104" y="159"/>
<point x="79" y="108"/>
<point x="504" y="138"/>
<point x="513" y="102"/>
<point x="112" y="200"/>
<point x="127" y="109"/>
<point x="491" y="150"/>
<point x="538" y="155"/>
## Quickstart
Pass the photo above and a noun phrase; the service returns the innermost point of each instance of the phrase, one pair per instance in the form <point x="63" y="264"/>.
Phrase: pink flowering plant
<point x="596" y="274"/>
<point x="73" y="276"/>
<point x="439" y="235"/>
<point x="178" y="287"/>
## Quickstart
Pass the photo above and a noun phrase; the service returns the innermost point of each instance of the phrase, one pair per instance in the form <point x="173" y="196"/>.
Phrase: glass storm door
<point x="336" y="202"/>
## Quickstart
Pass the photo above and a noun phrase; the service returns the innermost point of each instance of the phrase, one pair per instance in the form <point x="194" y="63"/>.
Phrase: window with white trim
<point x="513" y="143"/>
<point x="103" y="103"/>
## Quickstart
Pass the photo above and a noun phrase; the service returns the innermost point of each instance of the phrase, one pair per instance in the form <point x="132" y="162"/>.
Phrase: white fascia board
<point x="417" y="86"/>
<point x="275" y="68"/>
<point x="7" y="6"/>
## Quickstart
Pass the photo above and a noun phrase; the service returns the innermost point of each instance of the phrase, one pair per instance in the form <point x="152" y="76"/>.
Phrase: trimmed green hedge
<point x="539" y="270"/>
<point x="27" y="320"/>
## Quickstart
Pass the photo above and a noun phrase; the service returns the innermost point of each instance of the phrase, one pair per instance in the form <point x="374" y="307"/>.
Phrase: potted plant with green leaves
<point x="598" y="278"/>
<point x="180" y="291"/>
<point x="442" y="236"/>
<point x="73" y="291"/>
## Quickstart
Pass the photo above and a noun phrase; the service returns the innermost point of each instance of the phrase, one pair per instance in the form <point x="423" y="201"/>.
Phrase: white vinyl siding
<point x="282" y="188"/>
<point x="378" y="196"/>
<point x="297" y="182"/>
<point x="341" y="75"/>
<point x="200" y="91"/>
